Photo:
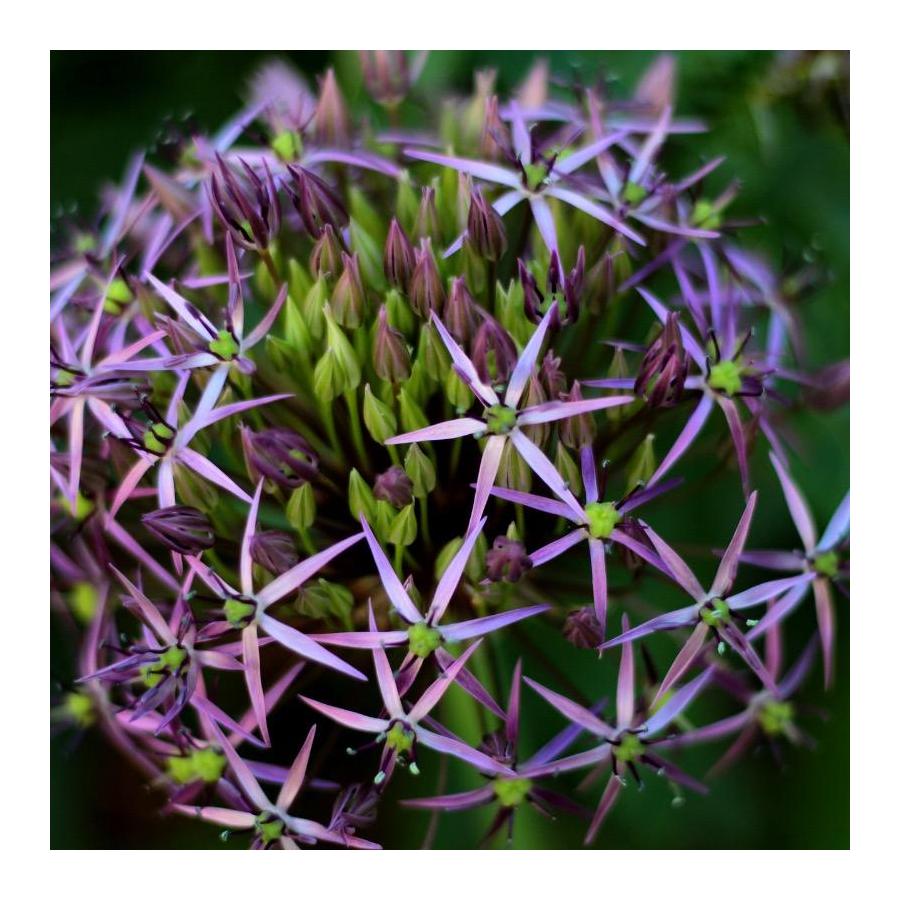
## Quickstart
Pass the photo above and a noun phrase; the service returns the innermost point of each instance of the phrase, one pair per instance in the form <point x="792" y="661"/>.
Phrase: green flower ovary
<point x="602" y="518"/>
<point x="118" y="295"/>
<point x="169" y="661"/>
<point x="827" y="564"/>
<point x="199" y="765"/>
<point x="400" y="738"/>
<point x="535" y="175"/>
<point x="775" y="716"/>
<point x="64" y="378"/>
<point x="725" y="376"/>
<point x="716" y="613"/>
<point x="79" y="708"/>
<point x="705" y="215"/>
<point x="224" y="345"/>
<point x="158" y="437"/>
<point x="423" y="639"/>
<point x="500" y="419"/>
<point x="269" y="828"/>
<point x="287" y="145"/>
<point x="633" y="193"/>
<point x="511" y="791"/>
<point x="239" y="613"/>
<point x="629" y="749"/>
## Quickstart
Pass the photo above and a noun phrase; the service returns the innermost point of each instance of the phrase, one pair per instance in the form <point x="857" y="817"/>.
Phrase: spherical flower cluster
<point x="326" y="400"/>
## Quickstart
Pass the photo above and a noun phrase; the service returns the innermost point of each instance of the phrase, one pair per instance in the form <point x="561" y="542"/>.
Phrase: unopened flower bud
<point x="507" y="560"/>
<point x="301" y="508"/>
<point x="386" y="74"/>
<point x="360" y="497"/>
<point x="405" y="528"/>
<point x="395" y="486"/>
<point x="316" y="202"/>
<point x="660" y="379"/>
<point x="379" y="418"/>
<point x="534" y="395"/>
<point x="552" y="376"/>
<point x="325" y="258"/>
<point x="428" y="225"/>
<point x="459" y="312"/>
<point x="281" y="455"/>
<point x="485" y="231"/>
<point x="493" y="352"/>
<point x="348" y="300"/>
<point x="495" y="139"/>
<point x="568" y="468"/>
<point x="182" y="529"/>
<point x="390" y="355"/>
<point x="426" y="288"/>
<point x="577" y="431"/>
<point x="331" y="120"/>
<point x="275" y="551"/>
<point x="420" y="470"/>
<point x="323" y="599"/>
<point x="642" y="464"/>
<point x="399" y="258"/>
<point x="582" y="629"/>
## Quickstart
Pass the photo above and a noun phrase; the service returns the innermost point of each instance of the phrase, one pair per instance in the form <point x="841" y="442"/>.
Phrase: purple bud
<point x="582" y="628"/>
<point x="485" y="231"/>
<point x="247" y="207"/>
<point x="577" y="431"/>
<point x="316" y="201"/>
<point x="331" y="121"/>
<point x="552" y="376"/>
<point x="399" y="258"/>
<point x="660" y="379"/>
<point x="493" y="351"/>
<point x="182" y="529"/>
<point x="426" y="289"/>
<point x="281" y="455"/>
<point x="395" y="486"/>
<point x="386" y="74"/>
<point x="534" y="395"/>
<point x="325" y="258"/>
<point x="348" y="300"/>
<point x="459" y="313"/>
<point x="830" y="387"/>
<point x="390" y="354"/>
<point x="275" y="551"/>
<point x="495" y="139"/>
<point x="506" y="560"/>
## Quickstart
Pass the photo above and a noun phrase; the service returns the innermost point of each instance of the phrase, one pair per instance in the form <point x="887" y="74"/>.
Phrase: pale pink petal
<point x="348" y="718"/>
<point x="294" y="781"/>
<point x="528" y="359"/>
<point x="211" y="472"/>
<point x="305" y="646"/>
<point x="442" y="431"/>
<point x="389" y="580"/>
<point x="446" y="587"/>
<point x="487" y="475"/>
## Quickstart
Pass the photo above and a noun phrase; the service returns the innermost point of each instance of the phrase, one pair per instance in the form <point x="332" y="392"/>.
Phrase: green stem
<point x="398" y="560"/>
<point x="423" y="521"/>
<point x="356" y="429"/>
<point x="271" y="268"/>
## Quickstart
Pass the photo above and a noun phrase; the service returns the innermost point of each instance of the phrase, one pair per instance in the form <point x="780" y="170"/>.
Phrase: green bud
<point x="366" y="216"/>
<point x="78" y="707"/>
<point x="642" y="464"/>
<point x="618" y="369"/>
<point x="299" y="281"/>
<point x="360" y="497"/>
<point x="369" y="251"/>
<point x="399" y="313"/>
<point x="314" y="303"/>
<point x="407" y="202"/>
<point x="344" y="353"/>
<point x="378" y="417"/>
<point x="405" y="527"/>
<point x="385" y="516"/>
<point x="412" y="416"/>
<point x="420" y="470"/>
<point x="568" y="468"/>
<point x="323" y="599"/>
<point x="433" y="353"/>
<point x="514" y="472"/>
<point x="301" y="507"/>
<point x="457" y="392"/>
<point x="448" y="551"/>
<point x="475" y="565"/>
<point x="209" y="763"/>
<point x="705" y="215"/>
<point x="511" y="311"/>
<point x="195" y="491"/>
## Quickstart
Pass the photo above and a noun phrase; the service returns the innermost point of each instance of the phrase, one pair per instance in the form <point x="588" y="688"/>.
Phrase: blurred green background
<point x="784" y="130"/>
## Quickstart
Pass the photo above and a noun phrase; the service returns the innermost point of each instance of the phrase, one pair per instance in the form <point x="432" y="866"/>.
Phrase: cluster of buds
<point x="412" y="454"/>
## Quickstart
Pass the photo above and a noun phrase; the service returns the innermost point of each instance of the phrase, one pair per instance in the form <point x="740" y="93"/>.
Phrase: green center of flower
<point x="80" y="708"/>
<point x="400" y="738"/>
<point x="224" y="345"/>
<point x="238" y="612"/>
<point x="423" y="639"/>
<point x="602" y="518"/>
<point x="535" y="175"/>
<point x="206" y="764"/>
<point x="511" y="791"/>
<point x="827" y="564"/>
<point x="65" y="378"/>
<point x="716" y="613"/>
<point x="633" y="193"/>
<point x="500" y="419"/>
<point x="118" y="296"/>
<point x="169" y="660"/>
<point x="629" y="749"/>
<point x="775" y="716"/>
<point x="705" y="215"/>
<point x="725" y="376"/>
<point x="158" y="437"/>
<point x="287" y="145"/>
<point x="269" y="828"/>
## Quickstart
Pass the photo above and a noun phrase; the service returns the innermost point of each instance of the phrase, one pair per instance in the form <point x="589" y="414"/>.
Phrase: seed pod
<point x="507" y="560"/>
<point x="394" y="486"/>
<point x="275" y="551"/>
<point x="182" y="529"/>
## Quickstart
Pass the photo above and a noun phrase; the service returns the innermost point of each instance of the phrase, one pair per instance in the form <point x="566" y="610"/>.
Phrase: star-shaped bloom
<point x="715" y="611"/>
<point x="400" y="730"/>
<point x="821" y="556"/>
<point x="533" y="180"/>
<point x="248" y="610"/>
<point x="272" y="823"/>
<point x="79" y="381"/>
<point x="632" y="741"/>
<point x="164" y="442"/>
<point x="503" y="421"/>
<point x="425" y="634"/>
<point x="510" y="792"/>
<point x="597" y="521"/>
